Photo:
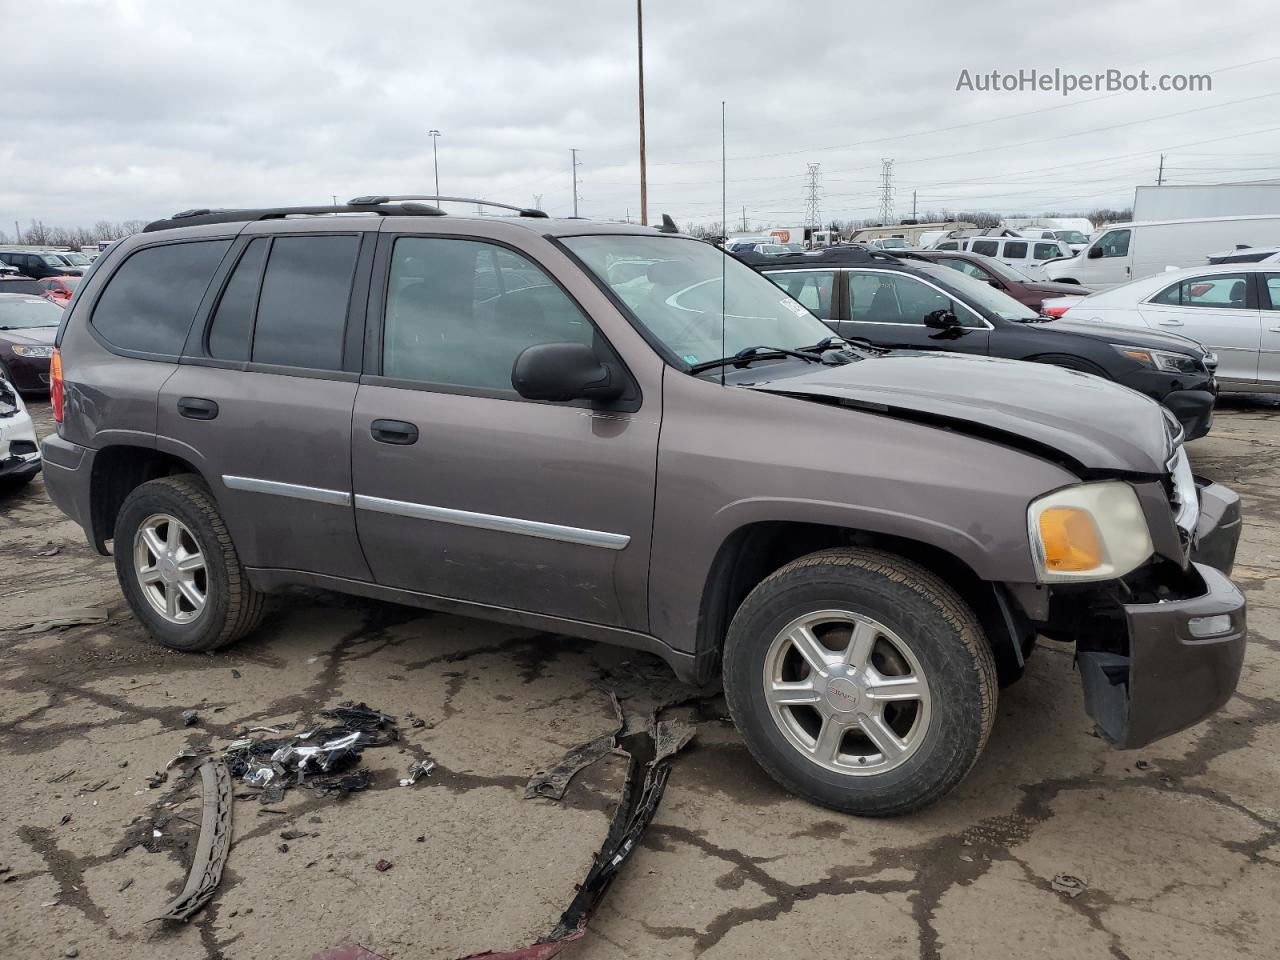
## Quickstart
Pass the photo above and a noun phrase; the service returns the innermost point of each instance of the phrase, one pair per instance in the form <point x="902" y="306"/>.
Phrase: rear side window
<point x="812" y="288"/>
<point x="233" y="320"/>
<point x="302" y="308"/>
<point x="987" y="248"/>
<point x="1224" y="291"/>
<point x="149" y="303"/>
<point x="1016" y="250"/>
<point x="1046" y="251"/>
<point x="948" y="245"/>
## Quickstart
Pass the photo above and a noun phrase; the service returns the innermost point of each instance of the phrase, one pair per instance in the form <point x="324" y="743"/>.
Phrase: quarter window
<point x="152" y="299"/>
<point x="1273" y="289"/>
<point x="459" y="312"/>
<point x="302" y="309"/>
<point x="1046" y="251"/>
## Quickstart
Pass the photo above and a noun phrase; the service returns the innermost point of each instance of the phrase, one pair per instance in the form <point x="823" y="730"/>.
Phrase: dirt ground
<point x="1178" y="845"/>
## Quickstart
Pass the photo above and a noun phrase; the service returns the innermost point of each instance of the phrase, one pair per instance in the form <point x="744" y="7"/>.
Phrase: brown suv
<point x="622" y="434"/>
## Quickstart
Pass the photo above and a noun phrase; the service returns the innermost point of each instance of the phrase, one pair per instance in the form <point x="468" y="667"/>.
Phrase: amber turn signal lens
<point x="55" y="384"/>
<point x="1070" y="538"/>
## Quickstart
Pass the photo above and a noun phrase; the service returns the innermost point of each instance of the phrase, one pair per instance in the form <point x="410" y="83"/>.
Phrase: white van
<point x="1131" y="251"/>
<point x="1029" y="256"/>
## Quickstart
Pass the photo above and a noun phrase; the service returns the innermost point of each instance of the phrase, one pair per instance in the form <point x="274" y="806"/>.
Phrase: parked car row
<point x="611" y="432"/>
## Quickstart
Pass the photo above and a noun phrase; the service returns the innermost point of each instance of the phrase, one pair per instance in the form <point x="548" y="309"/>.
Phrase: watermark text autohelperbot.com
<point x="1067" y="83"/>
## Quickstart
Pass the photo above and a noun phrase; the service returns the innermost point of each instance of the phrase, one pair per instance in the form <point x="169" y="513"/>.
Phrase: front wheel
<point x="179" y="569"/>
<point x="861" y="681"/>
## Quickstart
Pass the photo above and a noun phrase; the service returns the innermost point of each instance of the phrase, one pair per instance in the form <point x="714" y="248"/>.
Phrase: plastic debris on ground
<point x="322" y="757"/>
<point x="72" y="617"/>
<point x="212" y="847"/>
<point x="1067" y="884"/>
<point x="419" y="768"/>
<point x="552" y="783"/>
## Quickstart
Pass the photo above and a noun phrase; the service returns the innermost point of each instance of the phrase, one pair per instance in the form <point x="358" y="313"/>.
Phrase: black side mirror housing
<point x="559" y="372"/>
<point x="941" y="320"/>
<point x="1095" y="253"/>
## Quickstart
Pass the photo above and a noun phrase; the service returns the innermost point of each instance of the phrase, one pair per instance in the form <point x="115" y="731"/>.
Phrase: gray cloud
<point x="133" y="109"/>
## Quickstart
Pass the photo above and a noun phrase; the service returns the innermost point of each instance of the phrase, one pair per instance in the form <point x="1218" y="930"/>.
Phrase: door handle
<point x="1170" y="323"/>
<point x="393" y="431"/>
<point x="1273" y="329"/>
<point x="197" y="408"/>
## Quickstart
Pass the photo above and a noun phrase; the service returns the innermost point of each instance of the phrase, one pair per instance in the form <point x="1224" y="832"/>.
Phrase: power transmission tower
<point x="812" y="204"/>
<point x="886" y="191"/>
<point x="537" y="201"/>
<point x="574" y="152"/>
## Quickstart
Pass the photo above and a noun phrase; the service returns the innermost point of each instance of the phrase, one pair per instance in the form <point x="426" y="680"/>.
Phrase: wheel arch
<point x="117" y="470"/>
<point x="753" y="551"/>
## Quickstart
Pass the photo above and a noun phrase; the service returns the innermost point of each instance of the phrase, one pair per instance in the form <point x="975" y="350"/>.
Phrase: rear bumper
<point x="1170" y="678"/>
<point x="68" y="471"/>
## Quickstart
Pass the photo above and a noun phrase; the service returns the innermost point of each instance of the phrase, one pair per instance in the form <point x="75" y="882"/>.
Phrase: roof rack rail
<point x="381" y="198"/>
<point x="197" y="217"/>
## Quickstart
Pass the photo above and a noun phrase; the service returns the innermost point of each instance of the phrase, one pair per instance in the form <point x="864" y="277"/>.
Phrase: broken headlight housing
<point x="1091" y="531"/>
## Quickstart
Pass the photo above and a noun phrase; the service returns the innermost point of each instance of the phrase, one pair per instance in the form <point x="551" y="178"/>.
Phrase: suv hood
<point x="1130" y="336"/>
<point x="36" y="335"/>
<point x="1060" y="414"/>
<point x="1058" y="289"/>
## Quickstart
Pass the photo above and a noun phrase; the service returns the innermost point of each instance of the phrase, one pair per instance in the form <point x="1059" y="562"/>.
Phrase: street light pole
<point x="644" y="176"/>
<point x="435" y="159"/>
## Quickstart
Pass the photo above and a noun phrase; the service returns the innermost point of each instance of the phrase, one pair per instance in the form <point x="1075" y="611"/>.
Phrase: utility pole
<point x="644" y="175"/>
<point x="335" y="198"/>
<point x="17" y="233"/>
<point x="1160" y="173"/>
<point x="886" y="191"/>
<point x="812" y="206"/>
<point x="744" y="218"/>
<point x="913" y="205"/>
<point x="573" y="151"/>
<point x="435" y="159"/>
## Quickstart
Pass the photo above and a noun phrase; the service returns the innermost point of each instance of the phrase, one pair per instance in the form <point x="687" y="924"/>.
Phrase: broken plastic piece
<point x="190" y="718"/>
<point x="72" y="617"/>
<point x="213" y="846"/>
<point x="419" y="768"/>
<point x="553" y="783"/>
<point x="1067" y="884"/>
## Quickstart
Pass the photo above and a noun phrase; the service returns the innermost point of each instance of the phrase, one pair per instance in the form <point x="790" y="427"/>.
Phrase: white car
<point x="19" y="452"/>
<point x="1233" y="309"/>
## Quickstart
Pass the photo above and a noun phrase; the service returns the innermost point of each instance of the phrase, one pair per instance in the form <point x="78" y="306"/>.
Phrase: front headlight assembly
<point x="24" y="350"/>
<point x="1092" y="531"/>
<point x="1165" y="360"/>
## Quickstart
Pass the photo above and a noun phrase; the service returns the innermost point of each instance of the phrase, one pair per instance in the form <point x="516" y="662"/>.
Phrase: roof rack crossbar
<point x="384" y="198"/>
<point x="197" y="217"/>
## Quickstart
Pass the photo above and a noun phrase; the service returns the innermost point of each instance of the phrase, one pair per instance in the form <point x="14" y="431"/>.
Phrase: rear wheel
<point x="861" y="681"/>
<point x="179" y="569"/>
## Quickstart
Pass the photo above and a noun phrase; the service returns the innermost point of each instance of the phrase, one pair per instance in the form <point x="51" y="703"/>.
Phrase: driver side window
<point x="1115" y="244"/>
<point x="900" y="299"/>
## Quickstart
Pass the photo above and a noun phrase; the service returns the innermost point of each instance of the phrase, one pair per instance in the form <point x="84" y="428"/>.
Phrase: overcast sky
<point x="130" y="109"/>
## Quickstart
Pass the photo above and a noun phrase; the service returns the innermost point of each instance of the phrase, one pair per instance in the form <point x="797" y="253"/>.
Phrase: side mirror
<point x="1095" y="253"/>
<point x="996" y="283"/>
<point x="565" y="371"/>
<point x="941" y="320"/>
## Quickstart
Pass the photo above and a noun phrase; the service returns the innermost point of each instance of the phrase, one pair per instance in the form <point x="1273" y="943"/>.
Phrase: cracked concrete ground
<point x="1179" y="844"/>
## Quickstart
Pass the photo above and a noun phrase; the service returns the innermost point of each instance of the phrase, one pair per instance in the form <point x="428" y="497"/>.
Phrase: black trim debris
<point x="651" y="751"/>
<point x="211" y="849"/>
<point x="552" y="783"/>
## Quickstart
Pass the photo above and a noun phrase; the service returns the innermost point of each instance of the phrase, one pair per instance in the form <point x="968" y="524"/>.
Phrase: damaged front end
<point x="1161" y="648"/>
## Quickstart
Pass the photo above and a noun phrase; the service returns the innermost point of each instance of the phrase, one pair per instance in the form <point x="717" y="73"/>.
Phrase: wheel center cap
<point x="168" y="568"/>
<point x="843" y="695"/>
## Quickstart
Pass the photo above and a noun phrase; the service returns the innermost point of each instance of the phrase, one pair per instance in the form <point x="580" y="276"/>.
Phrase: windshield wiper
<point x="759" y="352"/>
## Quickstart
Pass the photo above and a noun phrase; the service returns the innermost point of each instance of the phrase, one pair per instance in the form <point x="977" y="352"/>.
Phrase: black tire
<point x="232" y="607"/>
<point x="945" y="637"/>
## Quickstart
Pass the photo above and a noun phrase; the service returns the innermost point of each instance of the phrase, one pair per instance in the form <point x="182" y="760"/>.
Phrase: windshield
<point x="55" y="260"/>
<point x="678" y="297"/>
<point x="1070" y="236"/>
<point x="977" y="293"/>
<point x="894" y="243"/>
<point x="76" y="259"/>
<point x="28" y="312"/>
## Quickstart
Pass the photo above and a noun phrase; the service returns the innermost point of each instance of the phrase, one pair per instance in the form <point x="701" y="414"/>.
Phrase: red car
<point x="1000" y="275"/>
<point x="59" y="289"/>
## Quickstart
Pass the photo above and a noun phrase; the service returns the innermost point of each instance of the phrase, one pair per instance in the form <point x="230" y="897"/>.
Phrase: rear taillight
<point x="1054" y="312"/>
<point x="55" y="384"/>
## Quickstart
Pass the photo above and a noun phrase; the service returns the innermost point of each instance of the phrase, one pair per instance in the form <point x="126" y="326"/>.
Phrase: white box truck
<point x="1131" y="251"/>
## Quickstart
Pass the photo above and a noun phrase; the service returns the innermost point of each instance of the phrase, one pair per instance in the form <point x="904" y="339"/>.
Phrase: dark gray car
<point x="618" y="434"/>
